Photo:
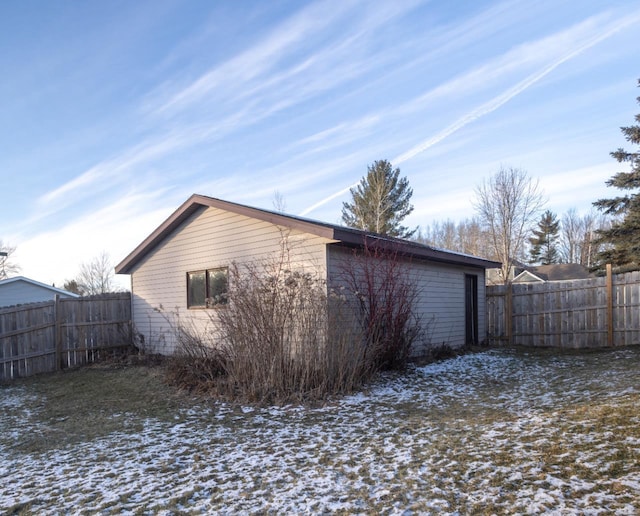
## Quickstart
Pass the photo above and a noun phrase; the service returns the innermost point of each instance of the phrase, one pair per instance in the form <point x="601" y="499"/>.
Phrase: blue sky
<point x="113" y="113"/>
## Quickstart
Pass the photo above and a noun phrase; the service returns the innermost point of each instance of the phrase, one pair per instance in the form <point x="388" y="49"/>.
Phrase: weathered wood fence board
<point x="566" y="314"/>
<point x="43" y="337"/>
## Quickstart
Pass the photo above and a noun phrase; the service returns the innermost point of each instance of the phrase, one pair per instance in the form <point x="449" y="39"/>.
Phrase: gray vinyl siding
<point x="210" y="238"/>
<point x="23" y="292"/>
<point x="441" y="298"/>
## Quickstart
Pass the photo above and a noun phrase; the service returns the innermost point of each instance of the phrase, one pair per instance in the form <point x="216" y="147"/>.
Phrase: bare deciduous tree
<point x="97" y="276"/>
<point x="571" y="236"/>
<point x="473" y="238"/>
<point x="577" y="236"/>
<point x="279" y="202"/>
<point x="7" y="266"/>
<point x="467" y="236"/>
<point x="442" y="234"/>
<point x="508" y="204"/>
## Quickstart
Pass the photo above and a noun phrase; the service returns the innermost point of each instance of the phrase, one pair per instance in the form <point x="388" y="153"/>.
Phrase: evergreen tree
<point x="73" y="286"/>
<point x="380" y="202"/>
<point x="623" y="237"/>
<point x="544" y="243"/>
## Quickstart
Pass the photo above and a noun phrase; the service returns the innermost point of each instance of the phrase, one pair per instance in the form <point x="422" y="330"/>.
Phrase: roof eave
<point x="356" y="238"/>
<point x="185" y="210"/>
<point x="197" y="202"/>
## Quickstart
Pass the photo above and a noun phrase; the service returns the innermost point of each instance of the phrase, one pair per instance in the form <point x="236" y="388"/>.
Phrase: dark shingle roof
<point x="561" y="271"/>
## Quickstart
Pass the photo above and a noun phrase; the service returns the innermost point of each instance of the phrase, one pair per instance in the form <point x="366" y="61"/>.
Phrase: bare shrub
<point x="383" y="297"/>
<point x="285" y="336"/>
<point x="197" y="367"/>
<point x="198" y="363"/>
<point x="281" y="337"/>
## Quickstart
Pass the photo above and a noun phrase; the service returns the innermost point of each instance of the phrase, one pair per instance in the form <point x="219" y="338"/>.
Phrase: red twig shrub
<point x="383" y="296"/>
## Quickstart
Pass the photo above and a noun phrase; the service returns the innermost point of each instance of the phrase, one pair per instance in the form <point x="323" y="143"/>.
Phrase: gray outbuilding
<point x="176" y="270"/>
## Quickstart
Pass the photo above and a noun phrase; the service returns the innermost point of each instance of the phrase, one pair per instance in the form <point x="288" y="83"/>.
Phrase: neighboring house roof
<point x="553" y="272"/>
<point x="562" y="271"/>
<point x="19" y="290"/>
<point x="342" y="235"/>
<point x="528" y="277"/>
<point x="494" y="275"/>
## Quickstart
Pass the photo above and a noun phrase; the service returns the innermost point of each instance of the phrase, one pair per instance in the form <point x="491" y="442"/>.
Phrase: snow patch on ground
<point x="460" y="436"/>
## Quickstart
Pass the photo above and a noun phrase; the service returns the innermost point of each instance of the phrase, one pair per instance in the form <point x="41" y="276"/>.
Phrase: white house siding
<point x="441" y="297"/>
<point x="209" y="238"/>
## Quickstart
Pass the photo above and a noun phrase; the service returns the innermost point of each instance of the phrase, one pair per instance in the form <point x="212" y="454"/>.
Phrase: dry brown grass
<point x="83" y="404"/>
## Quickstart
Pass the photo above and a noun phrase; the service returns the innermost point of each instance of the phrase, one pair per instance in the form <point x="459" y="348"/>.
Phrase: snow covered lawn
<point x="501" y="431"/>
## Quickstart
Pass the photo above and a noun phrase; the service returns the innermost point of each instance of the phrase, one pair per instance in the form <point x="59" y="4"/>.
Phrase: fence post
<point x="57" y="333"/>
<point x="508" y="312"/>
<point x="609" y="305"/>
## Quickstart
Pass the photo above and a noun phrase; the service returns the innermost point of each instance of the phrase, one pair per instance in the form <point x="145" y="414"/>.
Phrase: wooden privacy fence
<point x="43" y="337"/>
<point x="587" y="313"/>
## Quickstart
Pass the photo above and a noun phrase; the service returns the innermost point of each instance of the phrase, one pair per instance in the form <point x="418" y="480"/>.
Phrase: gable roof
<point x="22" y="279"/>
<point x="342" y="235"/>
<point x="528" y="276"/>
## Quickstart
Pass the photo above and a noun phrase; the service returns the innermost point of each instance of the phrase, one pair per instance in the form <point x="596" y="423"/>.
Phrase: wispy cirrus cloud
<point x="239" y="101"/>
<point x="260" y="86"/>
<point x="574" y="42"/>
<point x="274" y="74"/>
<point x="100" y="229"/>
<point x="322" y="46"/>
<point x="281" y="54"/>
<point x="104" y="174"/>
<point x="552" y="51"/>
<point x="488" y="76"/>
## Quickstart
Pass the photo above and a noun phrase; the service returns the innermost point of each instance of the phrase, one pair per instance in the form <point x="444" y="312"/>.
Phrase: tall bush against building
<point x="281" y="337"/>
<point x="285" y="335"/>
<point x="382" y="296"/>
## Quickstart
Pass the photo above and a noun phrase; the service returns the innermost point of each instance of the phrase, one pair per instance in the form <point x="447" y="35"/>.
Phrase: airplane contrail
<point x="487" y="107"/>
<point x="327" y="199"/>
